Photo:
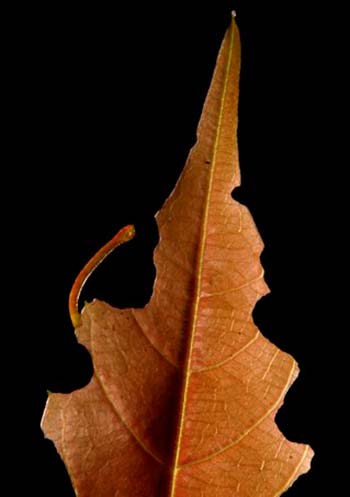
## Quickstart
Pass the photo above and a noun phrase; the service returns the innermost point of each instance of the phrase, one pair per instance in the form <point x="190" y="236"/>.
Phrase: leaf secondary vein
<point x="251" y="428"/>
<point x="132" y="433"/>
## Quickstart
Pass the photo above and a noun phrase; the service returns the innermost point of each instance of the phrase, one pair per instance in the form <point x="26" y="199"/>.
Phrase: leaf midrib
<point x="199" y="273"/>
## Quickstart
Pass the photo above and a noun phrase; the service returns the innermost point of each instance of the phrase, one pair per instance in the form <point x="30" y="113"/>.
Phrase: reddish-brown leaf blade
<point x="185" y="391"/>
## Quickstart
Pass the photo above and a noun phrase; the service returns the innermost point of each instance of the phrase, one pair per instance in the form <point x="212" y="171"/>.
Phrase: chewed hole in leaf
<point x="69" y="369"/>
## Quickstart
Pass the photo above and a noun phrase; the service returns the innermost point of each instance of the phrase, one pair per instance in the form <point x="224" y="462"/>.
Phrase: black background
<point x="104" y="110"/>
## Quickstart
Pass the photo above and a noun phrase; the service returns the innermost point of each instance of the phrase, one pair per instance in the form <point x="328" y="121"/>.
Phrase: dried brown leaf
<point x="185" y="391"/>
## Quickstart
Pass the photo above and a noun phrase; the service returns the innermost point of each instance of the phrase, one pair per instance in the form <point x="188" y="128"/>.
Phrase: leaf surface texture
<point x="185" y="391"/>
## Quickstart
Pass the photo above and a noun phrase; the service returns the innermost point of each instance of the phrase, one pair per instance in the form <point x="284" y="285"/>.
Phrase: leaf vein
<point x="149" y="341"/>
<point x="132" y="433"/>
<point x="249" y="430"/>
<point x="230" y="358"/>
